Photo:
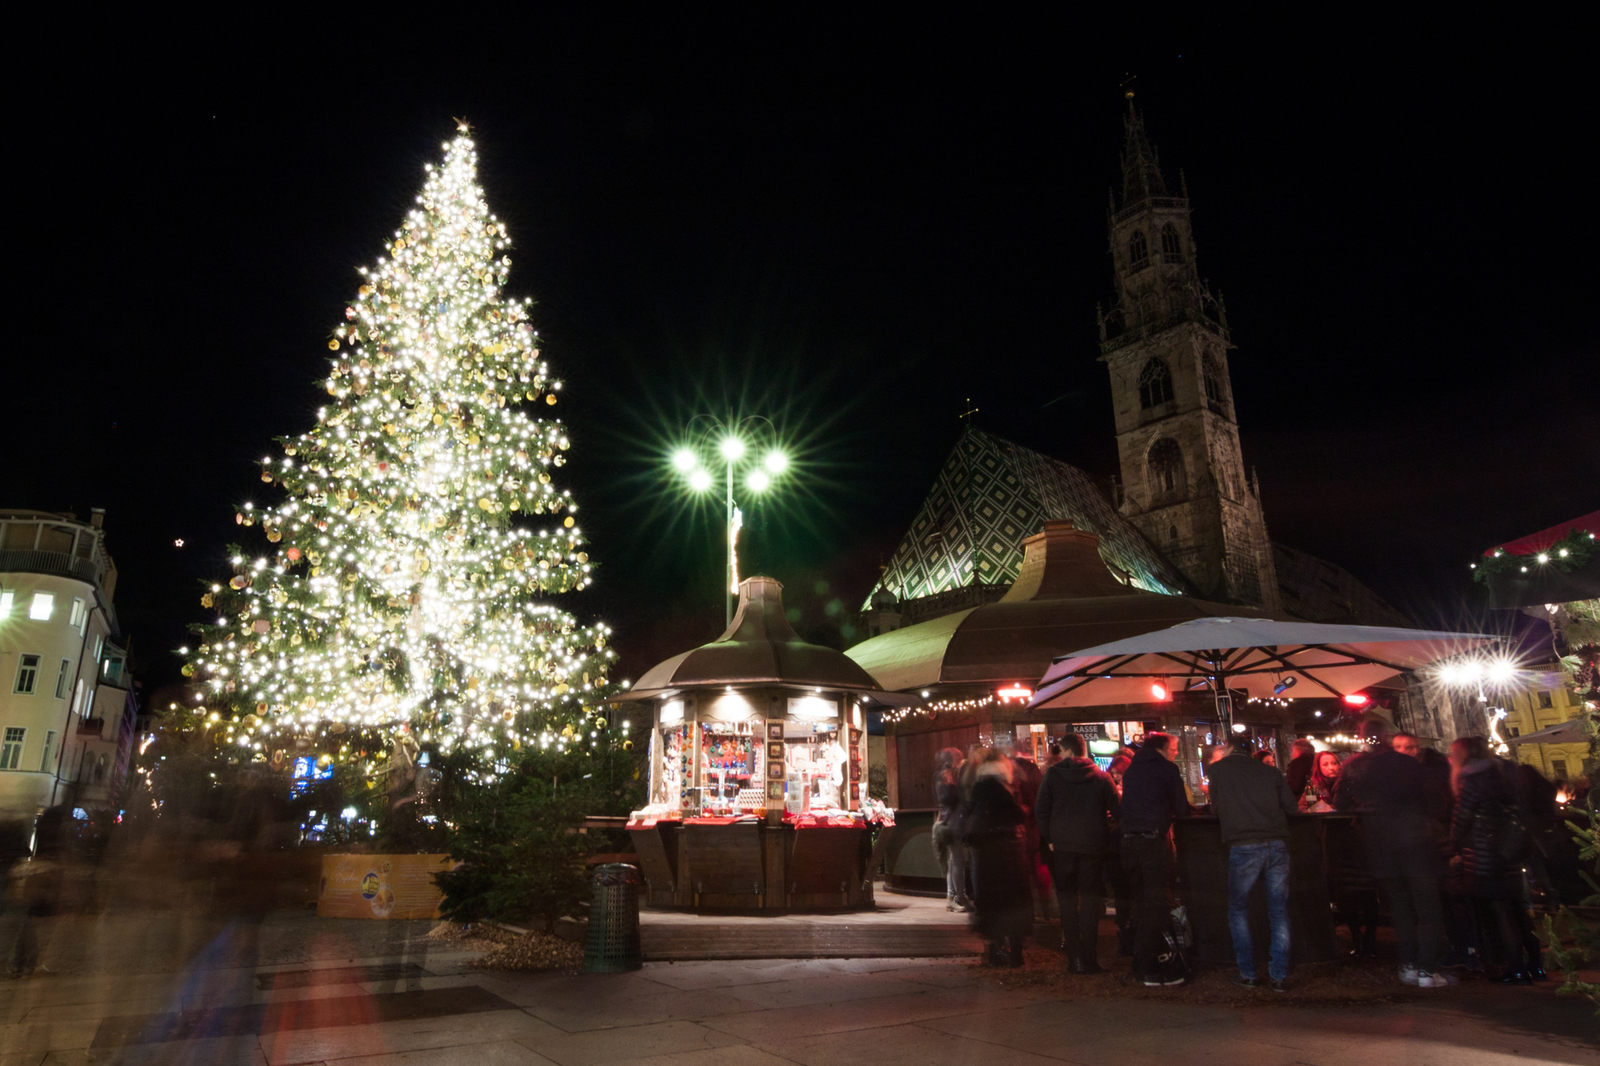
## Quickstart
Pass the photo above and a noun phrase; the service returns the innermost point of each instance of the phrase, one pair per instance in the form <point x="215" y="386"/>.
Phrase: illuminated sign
<point x="812" y="708"/>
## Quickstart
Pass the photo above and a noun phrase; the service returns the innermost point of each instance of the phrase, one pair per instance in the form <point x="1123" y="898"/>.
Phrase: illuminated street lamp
<point x="1481" y="675"/>
<point x="746" y="449"/>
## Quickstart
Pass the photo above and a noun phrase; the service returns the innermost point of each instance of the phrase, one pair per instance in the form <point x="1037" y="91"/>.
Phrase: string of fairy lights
<point x="900" y="714"/>
<point x="394" y="591"/>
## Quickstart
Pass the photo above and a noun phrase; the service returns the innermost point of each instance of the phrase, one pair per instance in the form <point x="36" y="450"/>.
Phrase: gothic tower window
<point x="1155" y="384"/>
<point x="1213" y="376"/>
<point x="1171" y="245"/>
<point x="1138" y="251"/>
<point x="1165" y="463"/>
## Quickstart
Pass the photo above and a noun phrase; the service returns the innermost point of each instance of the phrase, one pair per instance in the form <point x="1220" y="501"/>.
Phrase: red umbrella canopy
<point x="1255" y="655"/>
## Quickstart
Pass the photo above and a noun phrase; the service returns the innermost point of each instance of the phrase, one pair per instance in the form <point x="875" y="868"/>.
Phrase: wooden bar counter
<point x="747" y="864"/>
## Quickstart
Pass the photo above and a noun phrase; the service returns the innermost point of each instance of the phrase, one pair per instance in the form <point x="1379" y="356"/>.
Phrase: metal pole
<point x="727" y="574"/>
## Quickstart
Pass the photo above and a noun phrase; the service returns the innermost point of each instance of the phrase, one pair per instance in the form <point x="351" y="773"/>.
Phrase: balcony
<point x="1147" y="204"/>
<point x="1114" y="341"/>
<point x="17" y="561"/>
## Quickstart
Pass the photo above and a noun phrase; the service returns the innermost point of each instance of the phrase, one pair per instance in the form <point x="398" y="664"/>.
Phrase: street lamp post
<point x="726" y="441"/>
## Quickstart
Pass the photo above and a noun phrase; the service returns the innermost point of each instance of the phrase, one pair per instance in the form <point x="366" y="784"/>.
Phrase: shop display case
<point x="758" y="772"/>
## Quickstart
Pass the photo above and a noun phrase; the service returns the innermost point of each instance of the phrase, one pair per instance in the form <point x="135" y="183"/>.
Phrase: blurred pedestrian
<point x="1491" y="842"/>
<point x="1152" y="796"/>
<point x="1025" y="780"/>
<point x="1266" y="757"/>
<point x="1116" y="876"/>
<point x="1252" y="803"/>
<point x="42" y="877"/>
<point x="1390" y="787"/>
<point x="947" y="842"/>
<point x="1077" y="806"/>
<point x="1301" y="755"/>
<point x="994" y="826"/>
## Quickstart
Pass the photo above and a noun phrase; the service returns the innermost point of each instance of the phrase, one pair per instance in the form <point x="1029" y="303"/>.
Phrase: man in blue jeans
<point x="1252" y="802"/>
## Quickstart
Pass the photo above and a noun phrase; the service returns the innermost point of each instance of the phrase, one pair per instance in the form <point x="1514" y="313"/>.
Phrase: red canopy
<point x="1536" y="542"/>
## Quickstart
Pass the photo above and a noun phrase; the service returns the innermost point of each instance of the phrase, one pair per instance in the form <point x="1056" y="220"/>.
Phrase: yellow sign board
<point x="380" y="886"/>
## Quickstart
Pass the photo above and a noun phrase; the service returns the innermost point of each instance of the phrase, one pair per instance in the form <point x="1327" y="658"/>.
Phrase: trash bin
<point x="613" y="942"/>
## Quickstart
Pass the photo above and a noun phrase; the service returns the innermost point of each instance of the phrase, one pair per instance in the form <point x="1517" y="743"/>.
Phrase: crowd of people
<point x="1451" y="843"/>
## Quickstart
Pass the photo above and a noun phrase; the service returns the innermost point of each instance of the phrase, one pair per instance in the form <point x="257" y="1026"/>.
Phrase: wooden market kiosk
<point x="758" y="769"/>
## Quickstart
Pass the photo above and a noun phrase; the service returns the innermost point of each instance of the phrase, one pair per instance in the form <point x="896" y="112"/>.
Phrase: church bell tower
<point x="1165" y="342"/>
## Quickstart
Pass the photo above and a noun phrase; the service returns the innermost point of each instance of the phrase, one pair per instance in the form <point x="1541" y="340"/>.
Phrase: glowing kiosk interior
<point x="758" y="759"/>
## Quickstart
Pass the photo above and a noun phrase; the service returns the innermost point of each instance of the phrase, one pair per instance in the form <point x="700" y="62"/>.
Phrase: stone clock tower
<point x="1165" y="341"/>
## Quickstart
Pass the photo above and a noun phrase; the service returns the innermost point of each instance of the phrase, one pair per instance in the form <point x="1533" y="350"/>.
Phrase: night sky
<point x="848" y="225"/>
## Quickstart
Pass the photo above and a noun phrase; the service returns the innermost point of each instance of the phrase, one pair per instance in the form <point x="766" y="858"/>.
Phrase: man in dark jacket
<point x="1152" y="796"/>
<point x="1252" y="802"/>
<point x="1076" y="805"/>
<point x="1401" y="813"/>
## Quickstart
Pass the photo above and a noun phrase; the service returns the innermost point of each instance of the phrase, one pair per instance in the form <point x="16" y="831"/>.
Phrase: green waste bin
<point x="613" y="943"/>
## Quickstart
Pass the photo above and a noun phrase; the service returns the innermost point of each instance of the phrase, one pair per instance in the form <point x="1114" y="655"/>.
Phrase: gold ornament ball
<point x="333" y="346"/>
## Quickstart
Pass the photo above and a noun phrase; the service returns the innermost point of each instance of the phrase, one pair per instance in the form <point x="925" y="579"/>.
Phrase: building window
<point x="113" y="669"/>
<point x="61" y="679"/>
<point x="78" y="611"/>
<point x="49" y="750"/>
<point x="1171" y="245"/>
<point x="1558" y="769"/>
<point x="11" y="750"/>
<point x="99" y="646"/>
<point x="1544" y="699"/>
<point x="1213" y="382"/>
<point x="6" y="599"/>
<point x="1166" y="470"/>
<point x="1138" y="251"/>
<point x="27" y="674"/>
<point x="44" y="605"/>
<point x="1155" y="384"/>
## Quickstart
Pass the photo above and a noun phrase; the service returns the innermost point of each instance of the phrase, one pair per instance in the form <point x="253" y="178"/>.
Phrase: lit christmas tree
<point x="405" y="586"/>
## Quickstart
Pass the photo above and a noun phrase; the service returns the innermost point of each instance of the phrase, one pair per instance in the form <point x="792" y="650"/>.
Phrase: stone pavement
<point x="295" y="989"/>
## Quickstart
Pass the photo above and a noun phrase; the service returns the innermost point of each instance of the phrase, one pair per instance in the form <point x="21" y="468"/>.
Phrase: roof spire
<point x="1141" y="166"/>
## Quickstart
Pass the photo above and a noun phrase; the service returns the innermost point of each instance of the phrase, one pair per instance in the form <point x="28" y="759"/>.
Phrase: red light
<point x="1356" y="699"/>
<point x="1014" y="692"/>
<point x="1159" y="691"/>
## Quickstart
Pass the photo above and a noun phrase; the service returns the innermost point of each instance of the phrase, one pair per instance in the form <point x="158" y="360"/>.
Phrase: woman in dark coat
<point x="994" y="824"/>
<point x="1486" y="833"/>
<point x="947" y="841"/>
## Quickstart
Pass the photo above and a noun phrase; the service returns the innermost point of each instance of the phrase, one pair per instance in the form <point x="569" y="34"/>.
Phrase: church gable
<point x="992" y="493"/>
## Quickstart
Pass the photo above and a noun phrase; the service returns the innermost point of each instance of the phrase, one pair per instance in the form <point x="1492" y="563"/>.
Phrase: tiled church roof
<point x="990" y="494"/>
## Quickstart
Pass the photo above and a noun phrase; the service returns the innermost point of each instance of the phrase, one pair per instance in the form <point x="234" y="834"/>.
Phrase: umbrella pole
<point x="1224" y="705"/>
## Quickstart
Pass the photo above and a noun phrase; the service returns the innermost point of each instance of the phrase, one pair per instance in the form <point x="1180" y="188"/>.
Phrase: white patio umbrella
<point x="1260" y="656"/>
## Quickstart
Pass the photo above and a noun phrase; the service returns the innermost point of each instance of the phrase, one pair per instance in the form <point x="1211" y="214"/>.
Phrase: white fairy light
<point x="397" y="588"/>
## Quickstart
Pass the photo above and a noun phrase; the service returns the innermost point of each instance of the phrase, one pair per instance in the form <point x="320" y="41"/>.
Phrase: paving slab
<point x="495" y="1053"/>
<point x="392" y="1038"/>
<point x="776" y="1026"/>
<point x="281" y="1016"/>
<point x="899" y="1045"/>
<point x="227" y="1051"/>
<point x="627" y="1044"/>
